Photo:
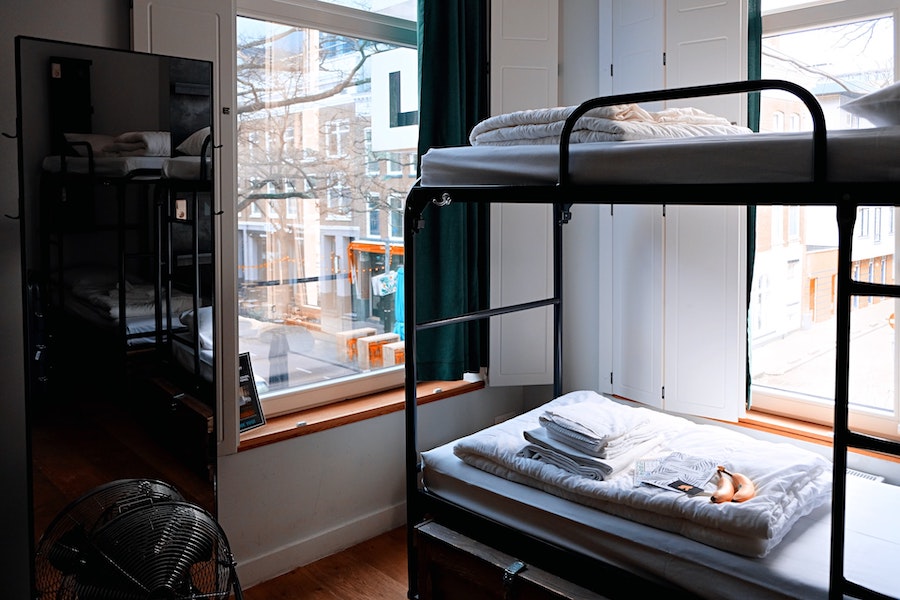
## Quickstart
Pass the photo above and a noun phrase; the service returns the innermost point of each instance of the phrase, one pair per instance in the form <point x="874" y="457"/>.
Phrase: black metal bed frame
<point x="845" y="196"/>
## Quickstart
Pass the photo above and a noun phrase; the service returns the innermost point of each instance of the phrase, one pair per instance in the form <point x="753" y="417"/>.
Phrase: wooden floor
<point x="78" y="446"/>
<point x="373" y="570"/>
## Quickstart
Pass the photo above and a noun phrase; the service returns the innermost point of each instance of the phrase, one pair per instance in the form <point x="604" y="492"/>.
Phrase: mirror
<point x="117" y="233"/>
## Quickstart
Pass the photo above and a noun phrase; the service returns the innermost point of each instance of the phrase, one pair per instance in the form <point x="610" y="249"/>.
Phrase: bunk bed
<point x="96" y="231"/>
<point x="616" y="551"/>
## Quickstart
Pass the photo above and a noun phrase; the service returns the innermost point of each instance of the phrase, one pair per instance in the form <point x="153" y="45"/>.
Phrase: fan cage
<point x="134" y="539"/>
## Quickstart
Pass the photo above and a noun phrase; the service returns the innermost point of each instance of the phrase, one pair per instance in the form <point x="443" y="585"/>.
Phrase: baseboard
<point x="267" y="566"/>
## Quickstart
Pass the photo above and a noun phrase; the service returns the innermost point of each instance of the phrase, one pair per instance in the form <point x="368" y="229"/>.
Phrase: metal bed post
<point x="412" y="221"/>
<point x="846" y="217"/>
<point x="844" y="437"/>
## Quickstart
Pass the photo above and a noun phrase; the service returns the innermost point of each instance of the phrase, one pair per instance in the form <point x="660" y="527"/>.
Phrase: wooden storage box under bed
<point x="453" y="566"/>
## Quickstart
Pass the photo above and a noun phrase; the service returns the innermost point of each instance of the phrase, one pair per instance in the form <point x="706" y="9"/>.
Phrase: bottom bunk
<point x="614" y="535"/>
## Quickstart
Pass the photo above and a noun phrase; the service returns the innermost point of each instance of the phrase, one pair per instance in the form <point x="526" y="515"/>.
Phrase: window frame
<point x="342" y="21"/>
<point x="789" y="404"/>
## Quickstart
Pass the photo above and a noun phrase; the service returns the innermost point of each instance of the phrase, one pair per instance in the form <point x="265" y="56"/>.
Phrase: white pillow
<point x="97" y="142"/>
<point x="881" y="107"/>
<point x="204" y="324"/>
<point x="193" y="145"/>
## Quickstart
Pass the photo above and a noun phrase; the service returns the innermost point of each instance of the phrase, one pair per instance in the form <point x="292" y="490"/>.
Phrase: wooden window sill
<point x="320" y="418"/>
<point x="800" y="430"/>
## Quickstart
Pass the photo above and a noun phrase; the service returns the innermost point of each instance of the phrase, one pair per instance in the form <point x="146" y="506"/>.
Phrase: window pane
<point x="404" y="9"/>
<point x="792" y="320"/>
<point x="317" y="260"/>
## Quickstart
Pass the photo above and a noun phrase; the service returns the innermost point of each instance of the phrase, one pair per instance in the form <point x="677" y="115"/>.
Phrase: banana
<point x="724" y="488"/>
<point x="743" y="487"/>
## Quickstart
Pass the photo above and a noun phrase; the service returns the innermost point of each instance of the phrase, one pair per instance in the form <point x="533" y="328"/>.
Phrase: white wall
<point x="290" y="503"/>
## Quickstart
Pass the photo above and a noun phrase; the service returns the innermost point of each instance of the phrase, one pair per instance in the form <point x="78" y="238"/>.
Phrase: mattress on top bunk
<point x="796" y="566"/>
<point x="854" y="155"/>
<point x="107" y="166"/>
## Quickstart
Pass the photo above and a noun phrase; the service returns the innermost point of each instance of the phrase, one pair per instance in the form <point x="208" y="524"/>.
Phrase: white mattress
<point x="184" y="167"/>
<point x="107" y="166"/>
<point x="797" y="568"/>
<point x="853" y="155"/>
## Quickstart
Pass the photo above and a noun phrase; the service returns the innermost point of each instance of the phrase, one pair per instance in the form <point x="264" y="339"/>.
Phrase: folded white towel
<point x="141" y="143"/>
<point x="590" y="446"/>
<point x="591" y="427"/>
<point x="544" y="448"/>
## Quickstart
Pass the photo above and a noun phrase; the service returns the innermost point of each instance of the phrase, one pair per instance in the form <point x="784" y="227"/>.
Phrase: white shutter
<point x="679" y="316"/>
<point x="706" y="42"/>
<point x="524" y="67"/>
<point x="705" y="295"/>
<point x="637" y="288"/>
<point x="636" y="31"/>
<point x="705" y="310"/>
<point x="637" y="37"/>
<point x="205" y="30"/>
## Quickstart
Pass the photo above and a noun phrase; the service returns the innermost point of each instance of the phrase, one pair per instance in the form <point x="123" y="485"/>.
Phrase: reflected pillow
<point x="204" y="324"/>
<point x="96" y="140"/>
<point x="193" y="145"/>
<point x="881" y="108"/>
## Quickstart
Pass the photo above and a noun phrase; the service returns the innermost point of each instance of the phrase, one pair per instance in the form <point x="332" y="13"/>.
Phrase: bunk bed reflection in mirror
<point x="116" y="198"/>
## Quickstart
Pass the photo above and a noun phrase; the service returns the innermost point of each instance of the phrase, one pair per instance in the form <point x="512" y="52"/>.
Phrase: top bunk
<point x="637" y="161"/>
<point x="119" y="122"/>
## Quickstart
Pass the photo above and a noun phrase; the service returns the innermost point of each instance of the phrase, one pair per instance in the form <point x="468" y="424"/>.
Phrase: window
<point x="839" y="54"/>
<point x="396" y="217"/>
<point x="374" y="216"/>
<point x="317" y="265"/>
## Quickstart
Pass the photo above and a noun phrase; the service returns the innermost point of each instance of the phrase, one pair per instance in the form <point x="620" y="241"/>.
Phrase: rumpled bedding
<point x="620" y="122"/>
<point x="791" y="481"/>
<point x="140" y="298"/>
<point x="140" y="143"/>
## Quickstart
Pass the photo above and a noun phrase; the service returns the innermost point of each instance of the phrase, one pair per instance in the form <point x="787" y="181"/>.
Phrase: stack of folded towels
<point x="592" y="440"/>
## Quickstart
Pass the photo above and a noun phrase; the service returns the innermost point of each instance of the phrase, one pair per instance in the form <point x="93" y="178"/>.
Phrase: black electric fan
<point x="134" y="539"/>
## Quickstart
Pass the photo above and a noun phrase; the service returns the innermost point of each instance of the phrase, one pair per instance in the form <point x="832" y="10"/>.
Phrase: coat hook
<point x="11" y="136"/>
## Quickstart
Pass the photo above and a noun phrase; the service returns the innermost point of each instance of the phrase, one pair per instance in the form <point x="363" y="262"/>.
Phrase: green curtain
<point x="754" y="71"/>
<point x="452" y="249"/>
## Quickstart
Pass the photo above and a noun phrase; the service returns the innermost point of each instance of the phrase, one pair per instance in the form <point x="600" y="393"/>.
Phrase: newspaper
<point x="676" y="471"/>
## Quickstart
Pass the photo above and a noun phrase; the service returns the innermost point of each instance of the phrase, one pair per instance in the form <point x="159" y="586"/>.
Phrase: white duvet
<point x="790" y="481"/>
<point x="620" y="122"/>
<point x="140" y="298"/>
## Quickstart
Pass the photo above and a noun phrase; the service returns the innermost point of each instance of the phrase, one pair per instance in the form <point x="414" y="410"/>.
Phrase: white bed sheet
<point x="797" y="568"/>
<point x="853" y="155"/>
<point x="185" y="167"/>
<point x="106" y="166"/>
<point x="134" y="326"/>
